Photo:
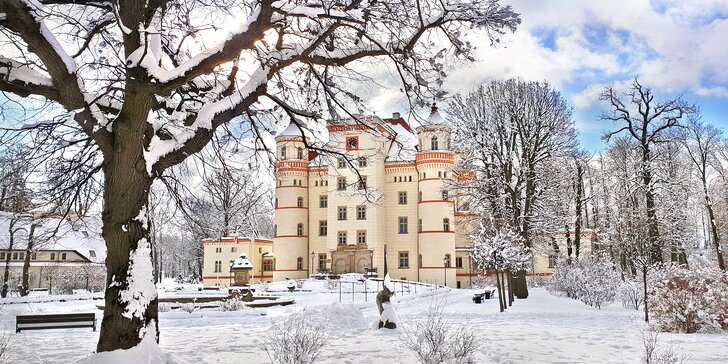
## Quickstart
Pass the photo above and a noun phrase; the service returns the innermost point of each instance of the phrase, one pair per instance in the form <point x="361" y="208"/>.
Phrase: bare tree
<point x="701" y="142"/>
<point x="138" y="87"/>
<point x="647" y="122"/>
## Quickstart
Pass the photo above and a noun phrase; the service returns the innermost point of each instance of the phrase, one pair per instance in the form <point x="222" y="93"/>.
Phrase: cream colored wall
<point x="231" y="251"/>
<point x="397" y="242"/>
<point x="542" y="250"/>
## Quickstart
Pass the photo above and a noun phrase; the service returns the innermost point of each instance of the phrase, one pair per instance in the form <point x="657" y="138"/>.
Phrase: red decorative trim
<point x="432" y="161"/>
<point x="228" y="240"/>
<point x="437" y="268"/>
<point x="436" y="232"/>
<point x="291" y="207"/>
<point x="318" y="169"/>
<point x="465" y="275"/>
<point x="218" y="277"/>
<point x="277" y="187"/>
<point x="399" y="165"/>
<point x="434" y="179"/>
<point x="291" y="270"/>
<point x="291" y="163"/>
<point x="289" y="169"/>
<point x="289" y="236"/>
<point x="435" y="201"/>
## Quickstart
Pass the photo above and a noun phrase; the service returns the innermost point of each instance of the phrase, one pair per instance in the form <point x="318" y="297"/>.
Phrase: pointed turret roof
<point x="291" y="130"/>
<point x="435" y="118"/>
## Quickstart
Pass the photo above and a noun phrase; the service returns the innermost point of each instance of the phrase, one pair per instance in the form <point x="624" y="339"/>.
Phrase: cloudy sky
<point x="676" y="47"/>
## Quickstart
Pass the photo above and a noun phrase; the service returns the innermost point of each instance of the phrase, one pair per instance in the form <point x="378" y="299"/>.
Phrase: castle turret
<point x="291" y="205"/>
<point x="435" y="226"/>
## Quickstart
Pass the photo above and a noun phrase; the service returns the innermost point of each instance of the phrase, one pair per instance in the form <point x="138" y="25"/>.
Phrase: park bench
<point x="486" y="295"/>
<point x="57" y="321"/>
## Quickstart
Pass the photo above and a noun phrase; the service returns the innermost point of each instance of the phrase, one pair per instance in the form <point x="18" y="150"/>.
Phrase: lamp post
<point x="313" y="255"/>
<point x="444" y="264"/>
<point x="371" y="262"/>
<point x="230" y="276"/>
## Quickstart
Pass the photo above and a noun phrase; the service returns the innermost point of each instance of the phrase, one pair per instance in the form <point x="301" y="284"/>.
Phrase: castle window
<point x="275" y="230"/>
<point x="341" y="162"/>
<point x="299" y="202"/>
<point x="234" y="249"/>
<point x="404" y="260"/>
<point x="268" y="265"/>
<point x="2" y="256"/>
<point x="403" y="225"/>
<point x="458" y="262"/>
<point x="322" y="261"/>
<point x="283" y="152"/>
<point x="419" y="225"/>
<point x="552" y="260"/>
<point x="361" y="237"/>
<point x="342" y="213"/>
<point x="439" y="174"/>
<point x="362" y="162"/>
<point x="316" y="183"/>
<point x="419" y="196"/>
<point x="400" y="178"/>
<point x="218" y="266"/>
<point x="299" y="230"/>
<point x="300" y="153"/>
<point x="402" y="197"/>
<point x="53" y="256"/>
<point x="299" y="263"/>
<point x="15" y="256"/>
<point x="323" y="201"/>
<point x="395" y="179"/>
<point x="341" y="186"/>
<point x="410" y="178"/>
<point x="361" y="212"/>
<point x="276" y="203"/>
<point x="363" y="183"/>
<point x="323" y="228"/>
<point x="444" y="195"/>
<point x="342" y="237"/>
<point x="446" y="224"/>
<point x="444" y="174"/>
<point x="434" y="145"/>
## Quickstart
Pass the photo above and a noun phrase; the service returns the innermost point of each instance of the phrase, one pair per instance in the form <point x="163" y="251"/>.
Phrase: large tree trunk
<point x="500" y="291"/>
<point x="652" y="230"/>
<point x="24" y="288"/>
<point x="130" y="310"/>
<point x="578" y="203"/>
<point x="713" y="227"/>
<point x="6" y="275"/>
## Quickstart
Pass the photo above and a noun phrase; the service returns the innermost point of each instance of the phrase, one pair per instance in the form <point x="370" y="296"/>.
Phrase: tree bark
<point x="24" y="288"/>
<point x="500" y="291"/>
<point x="644" y="286"/>
<point x="6" y="275"/>
<point x="510" y="287"/>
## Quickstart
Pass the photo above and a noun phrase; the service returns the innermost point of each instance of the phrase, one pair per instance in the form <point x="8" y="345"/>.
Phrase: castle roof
<point x="291" y="130"/>
<point x="435" y="118"/>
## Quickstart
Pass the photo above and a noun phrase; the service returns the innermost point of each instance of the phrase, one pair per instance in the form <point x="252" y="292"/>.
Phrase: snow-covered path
<point x="542" y="329"/>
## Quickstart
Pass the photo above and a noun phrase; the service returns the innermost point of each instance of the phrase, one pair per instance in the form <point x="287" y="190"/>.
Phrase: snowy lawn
<point x="542" y="329"/>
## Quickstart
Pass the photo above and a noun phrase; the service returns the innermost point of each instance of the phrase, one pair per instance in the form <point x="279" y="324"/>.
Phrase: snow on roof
<point x="82" y="235"/>
<point x="291" y="130"/>
<point x="404" y="145"/>
<point x="435" y="118"/>
<point x="242" y="262"/>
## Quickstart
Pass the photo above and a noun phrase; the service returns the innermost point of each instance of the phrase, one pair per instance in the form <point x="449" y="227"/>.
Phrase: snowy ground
<point x="542" y="329"/>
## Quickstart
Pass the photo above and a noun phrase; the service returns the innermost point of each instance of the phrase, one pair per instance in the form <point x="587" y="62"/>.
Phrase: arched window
<point x="299" y="230"/>
<point x="299" y="263"/>
<point x="447" y="260"/>
<point x="446" y="224"/>
<point x="434" y="143"/>
<point x="300" y="153"/>
<point x="300" y="202"/>
<point x="283" y="152"/>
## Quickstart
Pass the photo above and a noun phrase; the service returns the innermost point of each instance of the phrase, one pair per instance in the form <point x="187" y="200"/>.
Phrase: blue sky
<point x="679" y="48"/>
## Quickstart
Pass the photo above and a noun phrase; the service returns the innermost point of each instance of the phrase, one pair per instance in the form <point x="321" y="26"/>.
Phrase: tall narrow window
<point x="275" y="230"/>
<point x="402" y="197"/>
<point x="361" y="237"/>
<point x="444" y="195"/>
<point x="404" y="260"/>
<point x="276" y="202"/>
<point x="341" y="162"/>
<point x="458" y="262"/>
<point x="363" y="183"/>
<point x="419" y="225"/>
<point x="299" y="230"/>
<point x="299" y="202"/>
<point x="435" y="146"/>
<point x="323" y="227"/>
<point x="342" y="237"/>
<point x="53" y="256"/>
<point x="362" y="161"/>
<point x="361" y="212"/>
<point x="63" y="256"/>
<point x="419" y="196"/>
<point x="218" y="266"/>
<point x="446" y="224"/>
<point x="299" y="263"/>
<point x="402" y="225"/>
<point x="323" y="201"/>
<point x="283" y="152"/>
<point x="342" y="212"/>
<point x="322" y="261"/>
<point x="341" y="184"/>
<point x="300" y="153"/>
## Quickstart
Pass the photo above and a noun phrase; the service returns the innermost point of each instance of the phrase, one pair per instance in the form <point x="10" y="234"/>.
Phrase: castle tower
<point x="435" y="226"/>
<point x="290" y="239"/>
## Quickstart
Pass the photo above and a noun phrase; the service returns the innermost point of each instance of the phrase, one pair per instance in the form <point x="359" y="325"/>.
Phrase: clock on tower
<point x="352" y="143"/>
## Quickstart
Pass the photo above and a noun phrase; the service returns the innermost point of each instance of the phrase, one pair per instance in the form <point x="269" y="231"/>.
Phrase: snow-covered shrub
<point x="297" y="340"/>
<point x="689" y="300"/>
<point x="187" y="307"/>
<point x="263" y="287"/>
<point x="653" y="352"/>
<point x="434" y="339"/>
<point x="331" y="284"/>
<point x="164" y="307"/>
<point x="299" y="283"/>
<point x="632" y="294"/>
<point x="591" y="279"/>
<point x="233" y="304"/>
<point x="4" y="345"/>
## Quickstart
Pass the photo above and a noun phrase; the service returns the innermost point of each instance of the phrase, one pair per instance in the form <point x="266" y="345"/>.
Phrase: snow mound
<point x="339" y="317"/>
<point x="147" y="352"/>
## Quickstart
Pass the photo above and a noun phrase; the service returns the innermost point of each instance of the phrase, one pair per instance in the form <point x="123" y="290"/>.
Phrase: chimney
<point x="395" y="115"/>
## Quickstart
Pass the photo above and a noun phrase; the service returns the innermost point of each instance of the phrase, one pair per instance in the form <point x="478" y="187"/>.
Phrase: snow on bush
<point x="263" y="287"/>
<point x="591" y="279"/>
<point x="654" y="352"/>
<point x="233" y="304"/>
<point x="297" y="340"/>
<point x="632" y="294"/>
<point x="689" y="300"/>
<point x="187" y="307"/>
<point x="434" y="339"/>
<point x="164" y="307"/>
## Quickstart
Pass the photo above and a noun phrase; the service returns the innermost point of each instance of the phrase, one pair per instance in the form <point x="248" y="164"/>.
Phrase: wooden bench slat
<point x="55" y="321"/>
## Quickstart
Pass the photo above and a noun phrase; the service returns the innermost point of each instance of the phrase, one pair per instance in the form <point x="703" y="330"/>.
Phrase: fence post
<point x="366" y="289"/>
<point x="352" y="291"/>
<point x="339" y="291"/>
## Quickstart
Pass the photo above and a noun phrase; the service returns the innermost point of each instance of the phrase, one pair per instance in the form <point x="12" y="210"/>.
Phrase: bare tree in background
<point x="139" y="88"/>
<point x="647" y="122"/>
<point x="701" y="143"/>
<point x="512" y="132"/>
